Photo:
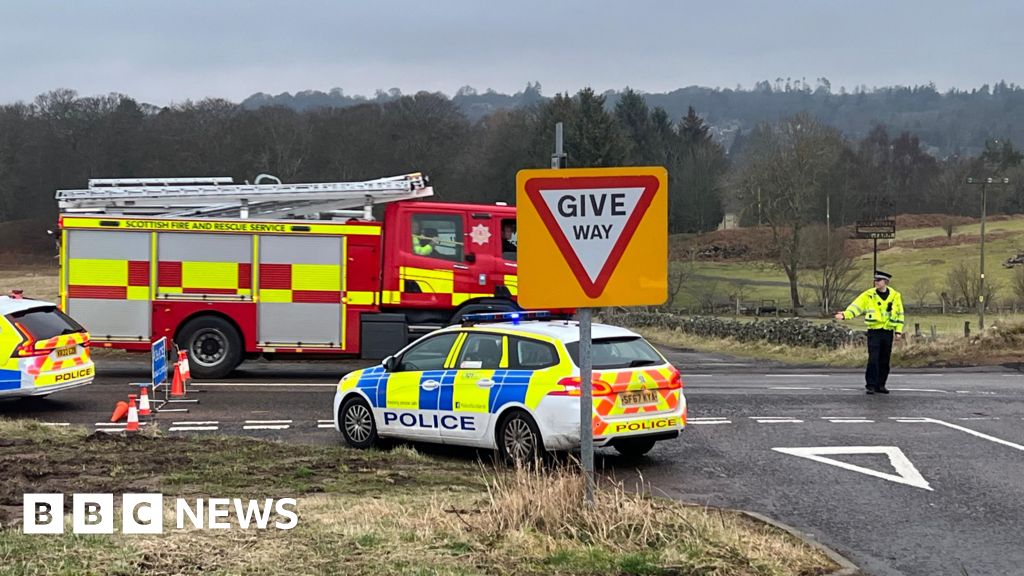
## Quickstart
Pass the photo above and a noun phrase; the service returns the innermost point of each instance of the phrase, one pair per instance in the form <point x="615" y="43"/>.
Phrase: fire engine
<point x="232" y="271"/>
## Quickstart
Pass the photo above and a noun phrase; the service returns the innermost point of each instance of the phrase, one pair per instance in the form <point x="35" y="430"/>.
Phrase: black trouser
<point x="879" y="352"/>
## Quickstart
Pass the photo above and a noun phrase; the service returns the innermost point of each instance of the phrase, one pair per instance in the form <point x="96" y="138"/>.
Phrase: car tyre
<point x="213" y="344"/>
<point x="634" y="447"/>
<point x="518" y="439"/>
<point x="355" y="418"/>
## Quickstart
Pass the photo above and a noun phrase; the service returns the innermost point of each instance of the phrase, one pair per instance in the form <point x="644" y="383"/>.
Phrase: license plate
<point x="66" y="351"/>
<point x="635" y="398"/>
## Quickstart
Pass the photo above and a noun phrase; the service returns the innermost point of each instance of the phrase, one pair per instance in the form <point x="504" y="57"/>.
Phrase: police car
<point x="511" y="382"/>
<point x="42" y="350"/>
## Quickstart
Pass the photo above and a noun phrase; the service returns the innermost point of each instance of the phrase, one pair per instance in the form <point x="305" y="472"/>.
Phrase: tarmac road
<point x="927" y="480"/>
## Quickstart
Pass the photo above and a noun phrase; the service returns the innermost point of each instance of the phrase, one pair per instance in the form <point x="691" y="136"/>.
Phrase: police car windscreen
<point x="612" y="353"/>
<point x="45" y="323"/>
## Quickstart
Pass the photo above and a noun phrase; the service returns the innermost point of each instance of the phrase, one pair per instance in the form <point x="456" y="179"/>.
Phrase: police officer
<point x="882" y="308"/>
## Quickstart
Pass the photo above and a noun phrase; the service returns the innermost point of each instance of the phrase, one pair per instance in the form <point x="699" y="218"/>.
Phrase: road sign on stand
<point x="159" y="364"/>
<point x="592" y="237"/>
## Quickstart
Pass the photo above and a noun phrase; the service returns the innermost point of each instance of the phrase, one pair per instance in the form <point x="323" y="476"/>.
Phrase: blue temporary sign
<point x="159" y="349"/>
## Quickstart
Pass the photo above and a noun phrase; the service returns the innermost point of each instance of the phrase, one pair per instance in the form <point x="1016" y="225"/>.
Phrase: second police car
<point x="514" y="386"/>
<point x="42" y="350"/>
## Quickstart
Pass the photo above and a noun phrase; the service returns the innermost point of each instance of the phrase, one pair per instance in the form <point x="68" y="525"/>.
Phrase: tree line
<point x="800" y="163"/>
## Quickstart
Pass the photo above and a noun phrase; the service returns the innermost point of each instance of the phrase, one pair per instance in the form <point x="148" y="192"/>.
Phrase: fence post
<point x="967" y="329"/>
<point x="933" y="331"/>
<point x="917" y="330"/>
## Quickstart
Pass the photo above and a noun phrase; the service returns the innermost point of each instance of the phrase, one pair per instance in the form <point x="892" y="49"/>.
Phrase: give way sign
<point x="592" y="237"/>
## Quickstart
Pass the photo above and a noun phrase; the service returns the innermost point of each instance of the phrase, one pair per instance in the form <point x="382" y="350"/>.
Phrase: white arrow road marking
<point x="905" y="471"/>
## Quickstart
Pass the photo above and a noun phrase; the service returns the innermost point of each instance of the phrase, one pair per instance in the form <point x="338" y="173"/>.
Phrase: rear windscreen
<point x="611" y="353"/>
<point x="45" y="323"/>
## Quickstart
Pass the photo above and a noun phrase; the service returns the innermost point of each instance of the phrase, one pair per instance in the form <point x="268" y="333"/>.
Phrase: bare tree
<point x="963" y="283"/>
<point x="921" y="290"/>
<point x="787" y="170"/>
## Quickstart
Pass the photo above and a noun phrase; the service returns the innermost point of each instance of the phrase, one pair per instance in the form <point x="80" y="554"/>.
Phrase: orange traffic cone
<point x="133" y="415"/>
<point x="120" y="411"/>
<point x="177" y="385"/>
<point x="144" y="411"/>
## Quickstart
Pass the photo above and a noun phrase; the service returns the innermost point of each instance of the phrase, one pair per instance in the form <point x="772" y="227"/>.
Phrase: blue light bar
<point x="513" y="317"/>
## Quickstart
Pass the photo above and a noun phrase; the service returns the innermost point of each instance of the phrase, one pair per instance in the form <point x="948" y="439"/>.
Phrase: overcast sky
<point x="170" y="50"/>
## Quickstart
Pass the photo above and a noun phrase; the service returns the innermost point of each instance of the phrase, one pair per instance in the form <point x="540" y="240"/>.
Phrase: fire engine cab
<point x="231" y="271"/>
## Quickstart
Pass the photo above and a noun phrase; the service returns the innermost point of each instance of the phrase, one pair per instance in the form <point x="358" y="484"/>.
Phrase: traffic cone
<point x="177" y="385"/>
<point x="120" y="411"/>
<point x="186" y="372"/>
<point x="144" y="411"/>
<point x="133" y="415"/>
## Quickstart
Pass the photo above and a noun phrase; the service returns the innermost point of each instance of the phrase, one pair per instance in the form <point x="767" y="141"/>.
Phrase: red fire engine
<point x="233" y="271"/>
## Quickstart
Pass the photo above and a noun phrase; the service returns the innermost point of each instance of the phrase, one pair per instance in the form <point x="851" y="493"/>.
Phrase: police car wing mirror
<point x="389" y="364"/>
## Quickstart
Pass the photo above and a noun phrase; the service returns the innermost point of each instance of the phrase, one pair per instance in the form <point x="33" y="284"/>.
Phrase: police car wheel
<point x="357" y="425"/>
<point x="519" y="440"/>
<point x="634" y="448"/>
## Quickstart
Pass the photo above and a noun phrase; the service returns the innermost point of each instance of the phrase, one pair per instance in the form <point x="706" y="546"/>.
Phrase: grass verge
<point x="1001" y="344"/>
<point x="393" y="512"/>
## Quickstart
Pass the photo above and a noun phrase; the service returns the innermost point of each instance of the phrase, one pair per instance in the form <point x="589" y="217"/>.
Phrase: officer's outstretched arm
<point x="856" y="308"/>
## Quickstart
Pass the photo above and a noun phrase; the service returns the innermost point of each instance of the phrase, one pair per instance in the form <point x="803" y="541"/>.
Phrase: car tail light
<point x="27" y="348"/>
<point x="676" y="381"/>
<point x="571" y="387"/>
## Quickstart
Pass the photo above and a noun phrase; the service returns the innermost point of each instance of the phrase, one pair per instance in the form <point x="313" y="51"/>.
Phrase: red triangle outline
<point x="533" y="192"/>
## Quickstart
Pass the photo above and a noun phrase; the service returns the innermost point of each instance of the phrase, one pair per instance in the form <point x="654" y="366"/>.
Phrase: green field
<point x="920" y="273"/>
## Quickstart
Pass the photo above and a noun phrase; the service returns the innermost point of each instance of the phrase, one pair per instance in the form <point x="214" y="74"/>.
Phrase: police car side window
<point x="480" y="352"/>
<point x="428" y="354"/>
<point x="532" y="355"/>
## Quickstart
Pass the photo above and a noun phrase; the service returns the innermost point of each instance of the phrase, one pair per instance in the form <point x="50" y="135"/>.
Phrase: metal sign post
<point x="873" y="230"/>
<point x="586" y="364"/>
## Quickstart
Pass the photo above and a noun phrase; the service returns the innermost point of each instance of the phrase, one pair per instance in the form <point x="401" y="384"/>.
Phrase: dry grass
<point x="440" y="518"/>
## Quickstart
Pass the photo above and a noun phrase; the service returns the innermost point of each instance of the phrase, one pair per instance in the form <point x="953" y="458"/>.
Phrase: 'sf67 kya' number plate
<point x="634" y="398"/>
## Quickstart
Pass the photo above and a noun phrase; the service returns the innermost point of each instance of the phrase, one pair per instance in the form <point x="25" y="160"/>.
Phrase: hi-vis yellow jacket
<point x="885" y="314"/>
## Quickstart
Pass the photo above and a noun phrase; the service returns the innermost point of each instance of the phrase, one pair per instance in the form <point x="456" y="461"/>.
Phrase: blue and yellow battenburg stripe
<point x="404" y="390"/>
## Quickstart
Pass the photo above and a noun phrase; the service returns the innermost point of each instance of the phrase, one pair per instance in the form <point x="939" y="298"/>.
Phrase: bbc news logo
<point x="144" y="513"/>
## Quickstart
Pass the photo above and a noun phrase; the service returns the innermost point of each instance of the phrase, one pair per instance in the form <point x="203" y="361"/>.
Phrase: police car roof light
<point x="514" y="317"/>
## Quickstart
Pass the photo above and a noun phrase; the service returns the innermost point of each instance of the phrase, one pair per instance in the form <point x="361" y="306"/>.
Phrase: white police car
<point x="514" y="385"/>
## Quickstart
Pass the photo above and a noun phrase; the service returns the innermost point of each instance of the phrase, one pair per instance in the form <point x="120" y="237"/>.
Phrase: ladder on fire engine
<point x="222" y="197"/>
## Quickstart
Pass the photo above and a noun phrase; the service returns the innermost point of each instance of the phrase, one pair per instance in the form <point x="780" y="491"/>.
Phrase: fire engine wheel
<point x="518" y="439"/>
<point x="357" y="425"/>
<point x="214" y="346"/>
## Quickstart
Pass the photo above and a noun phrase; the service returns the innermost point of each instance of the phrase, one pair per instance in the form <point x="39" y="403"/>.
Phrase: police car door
<point x="413" y="388"/>
<point x="465" y="404"/>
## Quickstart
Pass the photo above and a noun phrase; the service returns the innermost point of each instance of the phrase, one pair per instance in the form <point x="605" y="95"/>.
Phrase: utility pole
<point x="981" y="286"/>
<point x="826" y="281"/>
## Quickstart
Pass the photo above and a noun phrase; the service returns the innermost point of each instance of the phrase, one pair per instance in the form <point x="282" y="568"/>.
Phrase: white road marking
<point x="906" y="473"/>
<point x="965" y="430"/>
<point x="195" y="423"/>
<point x="847" y="419"/>
<point x="795" y="375"/>
<point x="325" y="425"/>
<point x="267" y="427"/>
<point x="778" y="421"/>
<point x="792" y="388"/>
<point x="191" y="428"/>
<point x="703" y="422"/>
<point x="268" y="421"/>
<point x="269" y="385"/>
<point x="919" y="390"/>
<point x="325" y="421"/>
<point x="979" y="418"/>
